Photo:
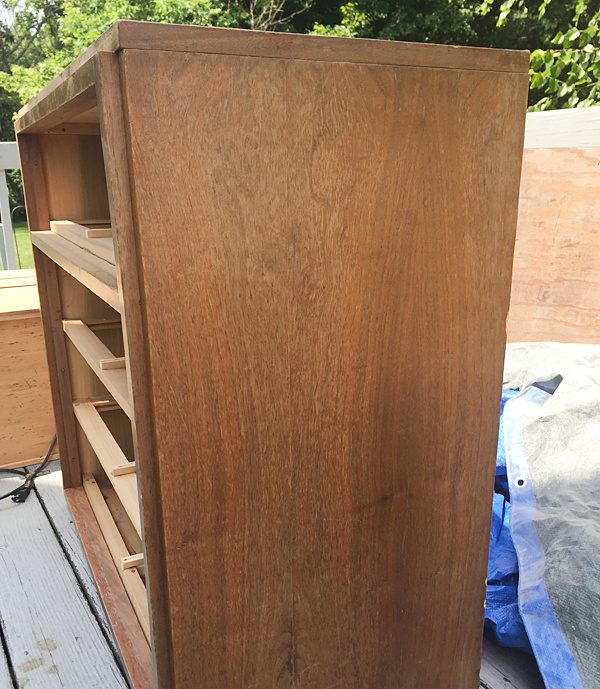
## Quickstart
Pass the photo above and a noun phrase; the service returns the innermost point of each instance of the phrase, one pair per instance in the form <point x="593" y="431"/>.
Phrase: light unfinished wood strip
<point x="123" y="469"/>
<point x="101" y="404"/>
<point x="130" y="577"/>
<point x="93" y="221"/>
<point x="16" y="282"/>
<point x="32" y="460"/>
<point x="99" y="276"/>
<point x="98" y="233"/>
<point x="112" y="364"/>
<point x="78" y="234"/>
<point x="17" y="278"/>
<point x="132" y="561"/>
<point x="93" y="351"/>
<point x="110" y="456"/>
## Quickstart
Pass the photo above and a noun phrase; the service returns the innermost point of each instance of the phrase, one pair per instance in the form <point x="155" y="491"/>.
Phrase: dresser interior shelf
<point x="110" y="456"/>
<point x="130" y="576"/>
<point x="95" y="239"/>
<point x="95" y="353"/>
<point x="98" y="275"/>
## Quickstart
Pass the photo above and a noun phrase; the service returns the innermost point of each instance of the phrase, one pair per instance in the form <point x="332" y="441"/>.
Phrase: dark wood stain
<point x="326" y="254"/>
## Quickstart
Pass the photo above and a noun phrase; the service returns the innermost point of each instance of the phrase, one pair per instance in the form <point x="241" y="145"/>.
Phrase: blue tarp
<point x="518" y="610"/>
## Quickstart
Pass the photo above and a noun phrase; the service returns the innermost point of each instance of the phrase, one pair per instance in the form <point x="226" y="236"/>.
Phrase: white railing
<point x="9" y="160"/>
<point x="574" y="128"/>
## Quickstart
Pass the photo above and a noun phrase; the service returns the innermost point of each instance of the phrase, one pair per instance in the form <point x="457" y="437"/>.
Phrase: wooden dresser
<point x="274" y="275"/>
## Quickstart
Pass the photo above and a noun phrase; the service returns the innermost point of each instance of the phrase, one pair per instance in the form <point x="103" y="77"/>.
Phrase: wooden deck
<point x="53" y="631"/>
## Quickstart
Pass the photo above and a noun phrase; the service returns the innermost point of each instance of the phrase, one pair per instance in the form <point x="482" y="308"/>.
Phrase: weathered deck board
<point x="52" y="635"/>
<point x="49" y="488"/>
<point x="5" y="680"/>
<point x="503" y="668"/>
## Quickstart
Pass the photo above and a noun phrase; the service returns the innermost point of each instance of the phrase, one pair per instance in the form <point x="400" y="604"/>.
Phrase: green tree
<point x="28" y="31"/>
<point x="562" y="36"/>
<point x="429" y="21"/>
<point x="567" y="74"/>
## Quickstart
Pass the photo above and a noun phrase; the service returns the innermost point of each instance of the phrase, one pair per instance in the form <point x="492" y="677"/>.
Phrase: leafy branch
<point x="567" y="75"/>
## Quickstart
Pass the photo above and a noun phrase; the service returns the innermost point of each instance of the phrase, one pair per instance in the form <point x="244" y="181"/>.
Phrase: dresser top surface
<point x="133" y="35"/>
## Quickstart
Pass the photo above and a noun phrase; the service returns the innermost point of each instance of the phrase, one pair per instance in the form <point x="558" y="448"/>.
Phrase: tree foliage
<point x="567" y="74"/>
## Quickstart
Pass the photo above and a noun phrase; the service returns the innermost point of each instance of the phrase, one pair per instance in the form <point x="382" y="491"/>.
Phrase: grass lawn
<point x="23" y="245"/>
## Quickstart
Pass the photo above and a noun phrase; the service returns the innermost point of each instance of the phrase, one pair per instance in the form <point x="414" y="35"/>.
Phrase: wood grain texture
<point x="110" y="364"/>
<point x="58" y="364"/>
<point x="132" y="561"/>
<point x="125" y="625"/>
<point x="87" y="128"/>
<point x="104" y="327"/>
<point x="110" y="455"/>
<point x="38" y="218"/>
<point x="79" y="302"/>
<point x="123" y="469"/>
<point x="34" y="183"/>
<point x="97" y="275"/>
<point x="13" y="278"/>
<point x="69" y="95"/>
<point x="116" y="157"/>
<point x="120" y="427"/>
<point x="53" y="637"/>
<point x="218" y="41"/>
<point x="128" y="533"/>
<point x="27" y="425"/>
<point x="25" y="402"/>
<point x="74" y="174"/>
<point x="20" y="301"/>
<point x="102" y="247"/>
<point x="93" y="351"/>
<point x="99" y="233"/>
<point x="37" y="460"/>
<point x="325" y="343"/>
<point x="556" y="275"/>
